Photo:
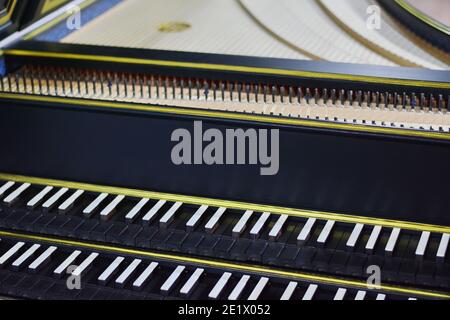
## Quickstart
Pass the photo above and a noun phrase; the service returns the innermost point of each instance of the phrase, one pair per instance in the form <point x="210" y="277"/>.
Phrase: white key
<point x="215" y="292"/>
<point x="107" y="274"/>
<point x="443" y="244"/>
<point x="94" y="204"/>
<point x="192" y="281"/>
<point x="106" y="212"/>
<point x="37" y="198"/>
<point x="133" y="212"/>
<point x="193" y="221"/>
<point x="66" y="263"/>
<point x="256" y="229"/>
<point x="258" y="288"/>
<point x="51" y="201"/>
<point x="212" y="223"/>
<point x="34" y="266"/>
<point x="423" y="241"/>
<point x="85" y="264"/>
<point x="340" y="294"/>
<point x="237" y="291"/>
<point x="168" y="284"/>
<point x="140" y="281"/>
<point x="242" y="223"/>
<point x="373" y="238"/>
<point x="309" y="294"/>
<point x="275" y="232"/>
<point x="70" y="200"/>
<point x="381" y="296"/>
<point x="360" y="295"/>
<point x="390" y="245"/>
<point x="8" y="254"/>
<point x="289" y="291"/>
<point x="323" y="236"/>
<point x="351" y="242"/>
<point x="120" y="281"/>
<point x="5" y="187"/>
<point x="412" y="299"/>
<point x="13" y="195"/>
<point x="306" y="230"/>
<point x="167" y="218"/>
<point x="27" y="254"/>
<point x="152" y="212"/>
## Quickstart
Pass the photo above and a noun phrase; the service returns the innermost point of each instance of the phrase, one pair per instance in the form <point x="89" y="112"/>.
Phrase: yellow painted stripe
<point x="227" y="265"/>
<point x="223" y="67"/>
<point x="9" y="12"/>
<point x="55" y="21"/>
<point x="231" y="116"/>
<point x="227" y="203"/>
<point x="430" y="21"/>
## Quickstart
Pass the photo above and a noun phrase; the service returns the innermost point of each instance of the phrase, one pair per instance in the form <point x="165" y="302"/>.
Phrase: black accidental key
<point x="223" y="247"/>
<point x="54" y="227"/>
<point x="175" y="240"/>
<point x="356" y="264"/>
<point x="407" y="271"/>
<point x="443" y="275"/>
<point x="28" y="221"/>
<point x="23" y="286"/>
<point x="14" y="218"/>
<point x="86" y="292"/>
<point x="10" y="283"/>
<point x="84" y="230"/>
<point x="191" y="242"/>
<point x="60" y="291"/>
<point x="338" y="262"/>
<point x="143" y="239"/>
<point x="304" y="257"/>
<point x="41" y="224"/>
<point x="425" y="273"/>
<point x="390" y="269"/>
<point x="322" y="259"/>
<point x="207" y="245"/>
<point x="288" y="255"/>
<point x="272" y="252"/>
<point x="239" y="249"/>
<point x="113" y="233"/>
<point x="100" y="230"/>
<point x="159" y="239"/>
<point x="69" y="228"/>
<point x="256" y="249"/>
<point x="129" y="235"/>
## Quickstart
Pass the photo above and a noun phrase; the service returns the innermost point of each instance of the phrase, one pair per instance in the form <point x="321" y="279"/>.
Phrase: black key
<point x="129" y="235"/>
<point x="425" y="273"/>
<point x="143" y="239"/>
<point x="84" y="230"/>
<point x="338" y="262"/>
<point x="54" y="227"/>
<point x="322" y="259"/>
<point x="256" y="250"/>
<point x="239" y="250"/>
<point x="288" y="255"/>
<point x="113" y="233"/>
<point x="191" y="243"/>
<point x="86" y="292"/>
<point x="159" y="239"/>
<point x="206" y="247"/>
<point x="443" y="275"/>
<point x="390" y="269"/>
<point x="407" y="271"/>
<point x="100" y="230"/>
<point x="41" y="224"/>
<point x="68" y="229"/>
<point x="28" y="221"/>
<point x="304" y="257"/>
<point x="14" y="218"/>
<point x="356" y="264"/>
<point x="272" y="253"/>
<point x="223" y="247"/>
<point x="175" y="240"/>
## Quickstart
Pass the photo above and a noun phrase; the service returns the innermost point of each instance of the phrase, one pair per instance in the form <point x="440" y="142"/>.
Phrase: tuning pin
<point x="325" y="96"/>
<point x="239" y="90"/>
<point x="350" y="97"/>
<point x="274" y="93"/>
<point x="299" y="95"/>
<point x="256" y="93"/>
<point x="206" y="90"/>
<point x="307" y="95"/>
<point x="174" y="88"/>
<point x="222" y="91"/>
<point x="190" y="89"/>
<point x="265" y="93"/>
<point x="333" y="96"/>
<point x="197" y="88"/>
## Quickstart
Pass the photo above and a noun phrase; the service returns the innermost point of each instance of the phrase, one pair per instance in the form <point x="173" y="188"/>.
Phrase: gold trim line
<point x="347" y="218"/>
<point x="223" y="67"/>
<point x="228" y="265"/>
<point x="231" y="116"/>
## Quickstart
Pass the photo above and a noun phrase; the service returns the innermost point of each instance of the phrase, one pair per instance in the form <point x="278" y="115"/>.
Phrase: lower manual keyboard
<point x="405" y="256"/>
<point x="51" y="268"/>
